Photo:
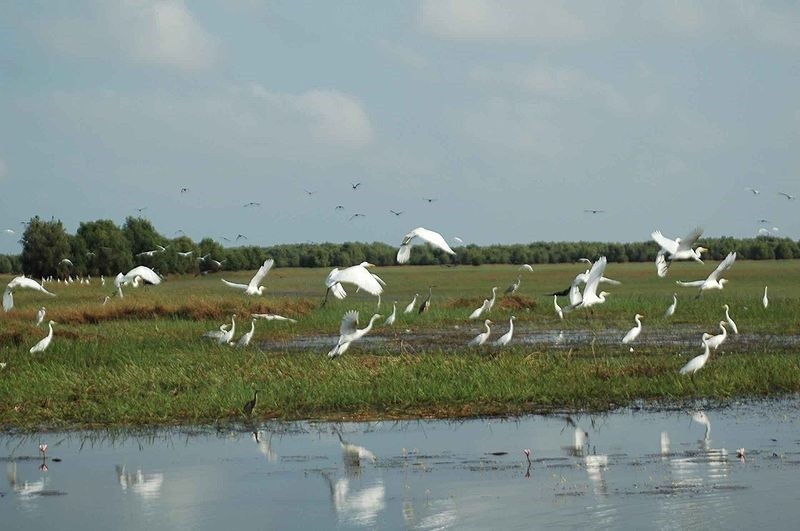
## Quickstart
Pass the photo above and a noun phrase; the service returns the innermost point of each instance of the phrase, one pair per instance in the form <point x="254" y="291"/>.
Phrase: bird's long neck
<point x="510" y="325"/>
<point x="724" y="330"/>
<point x="51" y="329"/>
<point x="638" y="322"/>
<point x="487" y="327"/>
<point x="371" y="321"/>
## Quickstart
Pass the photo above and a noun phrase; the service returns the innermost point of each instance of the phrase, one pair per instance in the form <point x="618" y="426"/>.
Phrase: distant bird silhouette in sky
<point x="357" y="215"/>
<point x="395" y="212"/>
<point x="355" y="185"/>
<point x="787" y="196"/>
<point x="252" y="204"/>
<point x="593" y="211"/>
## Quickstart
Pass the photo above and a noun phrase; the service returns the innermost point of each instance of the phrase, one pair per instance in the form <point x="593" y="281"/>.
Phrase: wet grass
<point x="140" y="360"/>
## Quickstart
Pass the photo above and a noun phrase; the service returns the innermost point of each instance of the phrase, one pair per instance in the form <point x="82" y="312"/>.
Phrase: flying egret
<point x="481" y="338"/>
<point x="185" y="254"/>
<point x="764" y="299"/>
<point x="671" y="308"/>
<point x="526" y="267"/>
<point x="20" y="283"/>
<point x="40" y="315"/>
<point x="426" y="304"/>
<point x="158" y="249"/>
<point x="478" y="312"/>
<point x="273" y="317"/>
<point x="634" y="332"/>
<point x="410" y="307"/>
<point x="731" y="323"/>
<point x="697" y="363"/>
<point x="506" y="338"/>
<point x="753" y="190"/>
<point x="713" y="281"/>
<point x="42" y="345"/>
<point x="493" y="299"/>
<point x="717" y="340"/>
<point x="349" y="332"/>
<point x="358" y="275"/>
<point x="391" y="319"/>
<point x="396" y="212"/>
<point x="590" y="297"/>
<point x="253" y="287"/>
<point x="66" y="261"/>
<point x="245" y="339"/>
<point x="510" y="290"/>
<point x="557" y="307"/>
<point x="677" y="249"/>
<point x="355" y="185"/>
<point x="433" y="238"/>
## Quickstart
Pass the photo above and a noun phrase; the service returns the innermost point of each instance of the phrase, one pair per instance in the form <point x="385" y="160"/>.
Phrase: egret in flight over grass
<point x="433" y="238"/>
<point x="358" y="275"/>
<point x="713" y="281"/>
<point x="42" y="345"/>
<point x="590" y="297"/>
<point x="254" y="287"/>
<point x="677" y="249"/>
<point x="481" y="338"/>
<point x="20" y="283"/>
<point x="349" y="332"/>
<point x="273" y="317"/>
<point x="136" y="276"/>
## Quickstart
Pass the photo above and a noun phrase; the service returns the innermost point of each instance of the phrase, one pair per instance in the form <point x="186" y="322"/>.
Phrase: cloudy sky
<point x="515" y="116"/>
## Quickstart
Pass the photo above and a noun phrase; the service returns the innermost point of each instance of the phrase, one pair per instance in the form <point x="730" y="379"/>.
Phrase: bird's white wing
<point x="379" y="279"/>
<point x="595" y="274"/>
<point x="725" y="264"/>
<point x="688" y="242"/>
<point x="8" y="300"/>
<point x="661" y="264"/>
<point x="433" y="238"/>
<point x="261" y="273"/>
<point x="28" y="283"/>
<point x="234" y="284"/>
<point x="671" y="246"/>
<point x="273" y="317"/>
<point x="338" y="291"/>
<point x="147" y="274"/>
<point x="692" y="284"/>
<point x="361" y="277"/>
<point x="404" y="253"/>
<point x="349" y="323"/>
<point x="610" y="281"/>
<point x="575" y="296"/>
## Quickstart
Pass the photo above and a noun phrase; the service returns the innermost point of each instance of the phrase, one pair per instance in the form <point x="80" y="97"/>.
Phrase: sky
<point x="515" y="117"/>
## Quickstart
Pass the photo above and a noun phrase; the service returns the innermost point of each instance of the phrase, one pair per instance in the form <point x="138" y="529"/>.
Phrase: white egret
<point x="590" y="297"/>
<point x="505" y="339"/>
<point x="42" y="345"/>
<point x="634" y="332"/>
<point x="713" y="281"/>
<point x="254" y="287"/>
<point x="185" y="254"/>
<point x="273" y="317"/>
<point x="391" y="319"/>
<point x="481" y="338"/>
<point x="426" y="304"/>
<point x="697" y="363"/>
<point x="136" y="276"/>
<point x="671" y="308"/>
<point x="158" y="249"/>
<point x="20" y="283"/>
<point x="526" y="267"/>
<point x="357" y="275"/>
<point x="753" y="190"/>
<point x="764" y="299"/>
<point x="715" y="341"/>
<point x="40" y="315"/>
<point x="216" y="334"/>
<point x="677" y="249"/>
<point x="429" y="236"/>
<point x="731" y="323"/>
<point x="349" y="332"/>
<point x="493" y="299"/>
<point x="478" y="312"/>
<point x="557" y="307"/>
<point x="410" y="307"/>
<point x="227" y="337"/>
<point x="66" y="261"/>
<point x="510" y="290"/>
<point x="245" y="339"/>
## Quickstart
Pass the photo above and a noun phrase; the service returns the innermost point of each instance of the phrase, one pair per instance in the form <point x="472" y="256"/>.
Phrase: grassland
<point x="140" y="360"/>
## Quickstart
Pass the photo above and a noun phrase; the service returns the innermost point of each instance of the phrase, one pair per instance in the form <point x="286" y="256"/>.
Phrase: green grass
<point x="140" y="360"/>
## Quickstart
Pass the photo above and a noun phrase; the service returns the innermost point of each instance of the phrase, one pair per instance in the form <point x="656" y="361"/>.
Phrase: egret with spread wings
<point x="254" y="287"/>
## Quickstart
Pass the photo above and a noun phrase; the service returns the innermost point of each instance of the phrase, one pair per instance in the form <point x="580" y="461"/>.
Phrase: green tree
<point x="106" y="250"/>
<point x="46" y="244"/>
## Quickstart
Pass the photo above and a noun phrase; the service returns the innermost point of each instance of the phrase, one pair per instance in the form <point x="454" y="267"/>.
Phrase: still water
<point x="630" y="469"/>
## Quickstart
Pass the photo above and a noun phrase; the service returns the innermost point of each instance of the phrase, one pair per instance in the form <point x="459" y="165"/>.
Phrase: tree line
<point x="103" y="248"/>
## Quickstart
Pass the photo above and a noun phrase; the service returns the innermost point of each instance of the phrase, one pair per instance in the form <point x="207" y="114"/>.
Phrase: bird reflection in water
<point x="352" y="455"/>
<point x="265" y="445"/>
<point x="701" y="418"/>
<point x="24" y="489"/>
<point x="148" y="486"/>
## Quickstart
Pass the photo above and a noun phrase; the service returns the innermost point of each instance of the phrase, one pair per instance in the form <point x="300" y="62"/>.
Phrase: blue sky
<point x="515" y="116"/>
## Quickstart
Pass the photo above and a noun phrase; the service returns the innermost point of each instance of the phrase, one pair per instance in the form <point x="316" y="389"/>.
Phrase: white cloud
<point x="405" y="55"/>
<point x="161" y="32"/>
<point x="557" y="83"/>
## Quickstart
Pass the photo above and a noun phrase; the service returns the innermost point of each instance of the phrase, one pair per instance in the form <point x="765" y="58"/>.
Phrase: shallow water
<point x="627" y="469"/>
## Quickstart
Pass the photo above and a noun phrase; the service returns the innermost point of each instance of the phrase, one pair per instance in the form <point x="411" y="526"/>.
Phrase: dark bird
<point x="562" y="293"/>
<point x="240" y="237"/>
<point x="184" y="190"/>
<point x="252" y="204"/>
<point x="357" y="216"/>
<point x="251" y="405"/>
<point x="339" y="207"/>
<point x="310" y="192"/>
<point x="762" y="220"/>
<point x="226" y="239"/>
<point x="429" y="199"/>
<point x="593" y="211"/>
<point x="396" y="213"/>
<point x="140" y="210"/>
<point x="426" y="304"/>
<point x="355" y="185"/>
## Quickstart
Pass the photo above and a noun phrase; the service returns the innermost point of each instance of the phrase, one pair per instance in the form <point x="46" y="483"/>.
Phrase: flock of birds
<point x="360" y="276"/>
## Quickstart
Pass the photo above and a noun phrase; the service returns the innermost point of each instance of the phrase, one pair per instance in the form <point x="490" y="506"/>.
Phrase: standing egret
<point x="481" y="338"/>
<point x="42" y="345"/>
<point x="713" y="281"/>
<point x="429" y="236"/>
<point x="734" y="328"/>
<point x="478" y="312"/>
<point x="253" y="287"/>
<point x="348" y="332"/>
<point x="715" y="341"/>
<point x="557" y="307"/>
<point x="216" y="334"/>
<point x="426" y="304"/>
<point x="357" y="275"/>
<point x="20" y="283"/>
<point x="764" y="299"/>
<point x="506" y="338"/>
<point x="410" y="307"/>
<point x="671" y="308"/>
<point x="227" y="337"/>
<point x="493" y="299"/>
<point x="391" y="319"/>
<point x="510" y="290"/>
<point x="634" y="332"/>
<point x="40" y="315"/>
<point x="697" y="363"/>
<point x="677" y="249"/>
<point x="245" y="339"/>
